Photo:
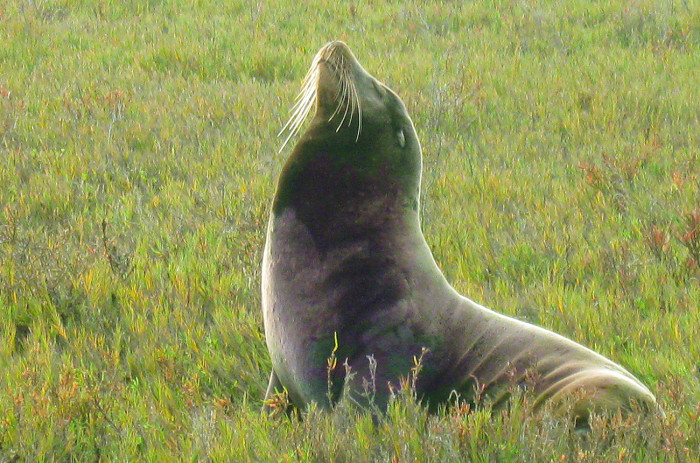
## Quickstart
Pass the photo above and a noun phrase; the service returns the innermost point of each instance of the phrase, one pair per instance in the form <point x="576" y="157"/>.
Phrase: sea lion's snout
<point x="331" y="88"/>
<point x="335" y="50"/>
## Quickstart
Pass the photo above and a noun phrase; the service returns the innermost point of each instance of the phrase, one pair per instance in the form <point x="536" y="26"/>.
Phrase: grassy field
<point x="138" y="158"/>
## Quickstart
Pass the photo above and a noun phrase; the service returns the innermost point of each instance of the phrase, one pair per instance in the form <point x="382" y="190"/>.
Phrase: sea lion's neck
<point x="338" y="189"/>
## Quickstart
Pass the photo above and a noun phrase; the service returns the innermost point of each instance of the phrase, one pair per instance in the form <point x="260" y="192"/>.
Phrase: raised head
<point x="361" y="142"/>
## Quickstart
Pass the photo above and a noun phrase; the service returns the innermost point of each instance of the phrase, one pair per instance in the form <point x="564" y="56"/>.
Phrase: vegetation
<point x="138" y="158"/>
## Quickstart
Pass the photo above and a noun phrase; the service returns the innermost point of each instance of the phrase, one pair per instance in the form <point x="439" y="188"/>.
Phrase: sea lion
<point x="348" y="275"/>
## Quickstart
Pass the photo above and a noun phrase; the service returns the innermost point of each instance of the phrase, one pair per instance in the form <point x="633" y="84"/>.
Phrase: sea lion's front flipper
<point x="273" y="388"/>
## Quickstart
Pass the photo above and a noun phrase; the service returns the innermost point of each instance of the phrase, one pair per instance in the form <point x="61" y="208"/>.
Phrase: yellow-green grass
<point x="138" y="158"/>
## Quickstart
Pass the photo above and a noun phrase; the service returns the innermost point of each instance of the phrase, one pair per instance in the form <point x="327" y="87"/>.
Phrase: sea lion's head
<point x="361" y="142"/>
<point x="347" y="97"/>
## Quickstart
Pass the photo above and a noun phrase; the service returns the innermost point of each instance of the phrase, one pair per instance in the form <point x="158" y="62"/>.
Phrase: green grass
<point x="138" y="158"/>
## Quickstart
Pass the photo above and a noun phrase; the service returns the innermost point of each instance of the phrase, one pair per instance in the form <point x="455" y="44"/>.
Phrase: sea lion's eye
<point x="401" y="138"/>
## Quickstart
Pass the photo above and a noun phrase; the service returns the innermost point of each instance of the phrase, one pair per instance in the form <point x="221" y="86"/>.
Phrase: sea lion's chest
<point x="317" y="293"/>
<point x="300" y="303"/>
<point x="293" y="274"/>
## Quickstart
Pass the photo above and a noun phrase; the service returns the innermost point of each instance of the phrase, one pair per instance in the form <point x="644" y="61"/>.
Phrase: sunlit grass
<point x="138" y="159"/>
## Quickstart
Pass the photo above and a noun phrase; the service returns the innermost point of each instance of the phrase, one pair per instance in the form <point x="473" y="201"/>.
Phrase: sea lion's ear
<point x="378" y="88"/>
<point x="401" y="138"/>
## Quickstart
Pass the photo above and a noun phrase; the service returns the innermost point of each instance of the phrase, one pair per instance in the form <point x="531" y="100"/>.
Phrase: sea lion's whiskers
<point x="304" y="101"/>
<point x="341" y="95"/>
<point x="347" y="96"/>
<point x="347" y="84"/>
<point x="349" y="103"/>
<point x="302" y="105"/>
<point x="359" y="109"/>
<point x="298" y="109"/>
<point x="302" y="109"/>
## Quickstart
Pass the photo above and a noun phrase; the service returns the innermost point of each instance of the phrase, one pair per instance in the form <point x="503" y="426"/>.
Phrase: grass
<point x="138" y="158"/>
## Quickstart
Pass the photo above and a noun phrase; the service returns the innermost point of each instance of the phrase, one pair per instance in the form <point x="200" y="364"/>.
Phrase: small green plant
<point x="138" y="157"/>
